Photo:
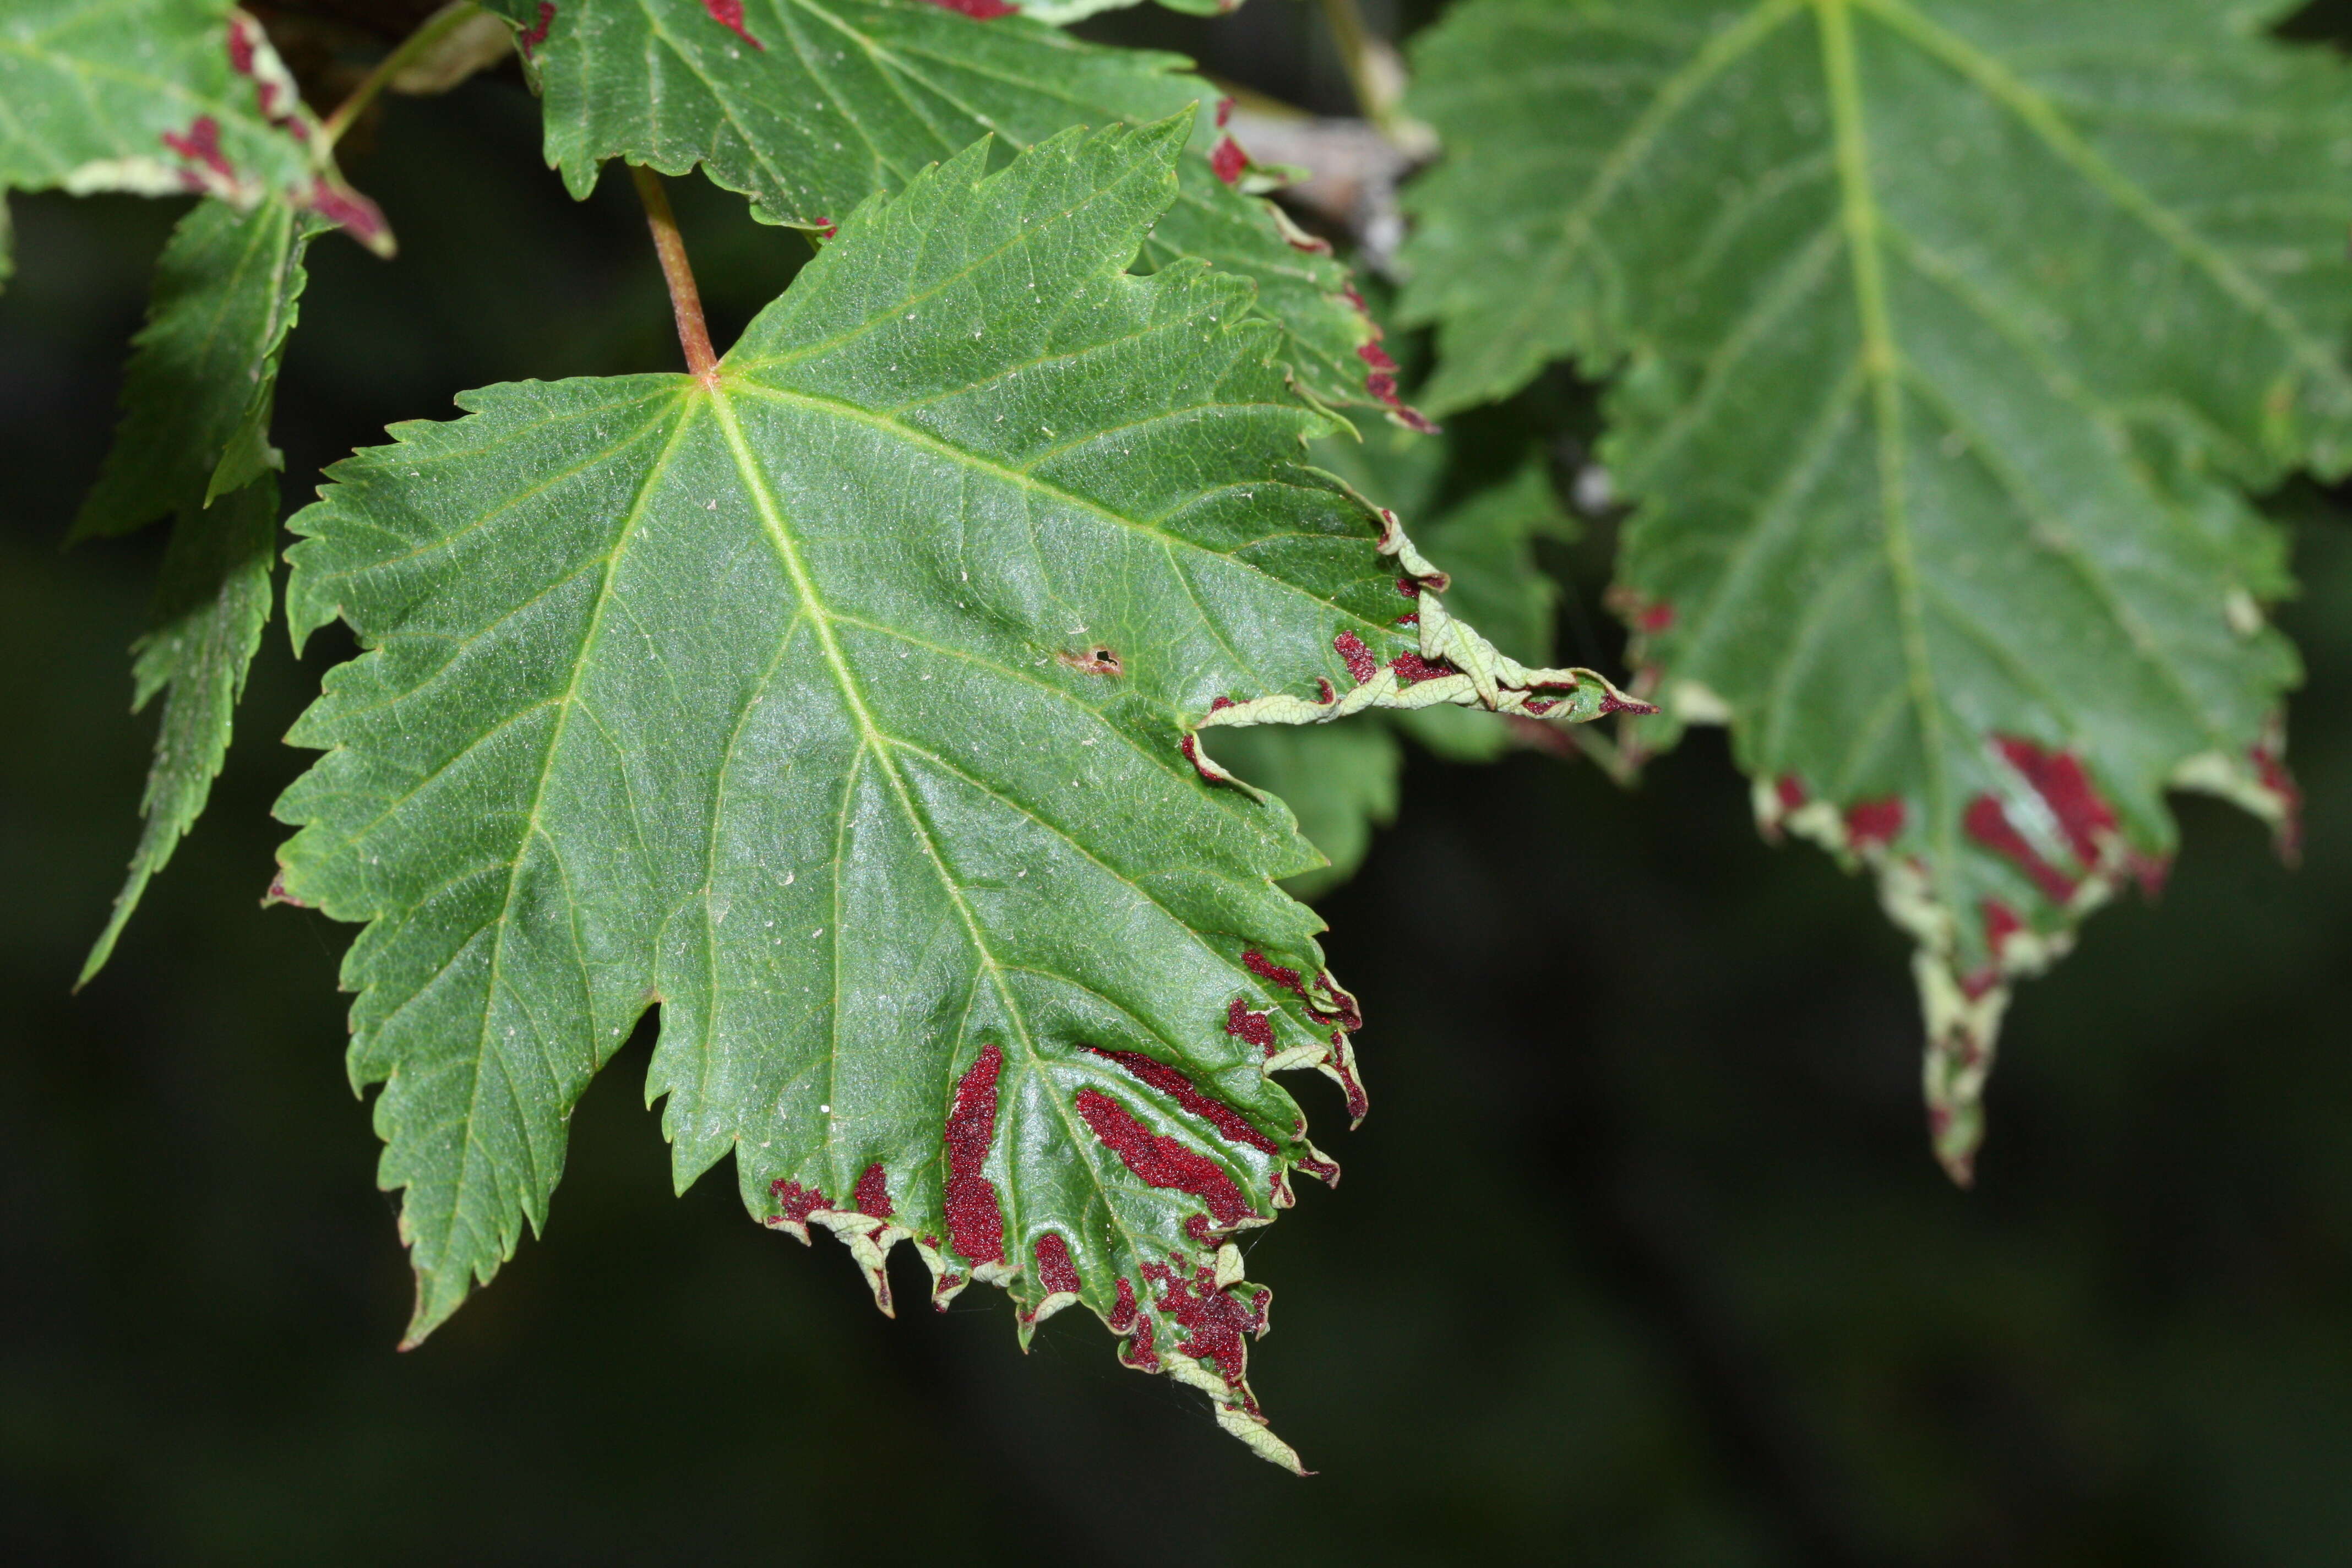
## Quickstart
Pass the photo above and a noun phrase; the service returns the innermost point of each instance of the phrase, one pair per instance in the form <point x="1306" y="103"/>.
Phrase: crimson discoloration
<point x="1191" y="746"/>
<point x="1343" y="1068"/>
<point x="873" y="1194"/>
<point x="1408" y="587"/>
<point x="1122" y="1311"/>
<point x="1323" y="1171"/>
<point x="1224" y="113"/>
<point x="279" y="895"/>
<point x="795" y="1203"/>
<point x="1162" y="1162"/>
<point x="975" y="1218"/>
<point x="1055" y="1272"/>
<point x="1542" y="705"/>
<point x="1789" y="791"/>
<point x="2272" y="770"/>
<point x="978" y="10"/>
<point x="1410" y="618"/>
<point x="1412" y="667"/>
<point x="2083" y="813"/>
<point x="1325" y="693"/>
<point x="1139" y="1352"/>
<point x="1381" y="376"/>
<point x="1988" y="825"/>
<point x="1256" y="1029"/>
<point x="1873" y="824"/>
<point x="1211" y="1320"/>
<point x="729" y="13"/>
<point x="2000" y="923"/>
<point x="1612" y="703"/>
<point x="827" y="228"/>
<point x="1177" y="1087"/>
<point x="535" y="35"/>
<point x="1360" y="660"/>
<point x="201" y="144"/>
<point x="1227" y="160"/>
<point x="1655" y="617"/>
<point x="347" y="209"/>
<point x="1218" y="702"/>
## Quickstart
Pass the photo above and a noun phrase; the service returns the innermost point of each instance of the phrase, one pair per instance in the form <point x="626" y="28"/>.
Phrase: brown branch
<point x="685" y="299"/>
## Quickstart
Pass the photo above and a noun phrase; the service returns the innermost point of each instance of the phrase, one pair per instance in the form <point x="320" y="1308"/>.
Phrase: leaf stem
<point x="1374" y="97"/>
<point x="685" y="299"/>
<point x="435" y="27"/>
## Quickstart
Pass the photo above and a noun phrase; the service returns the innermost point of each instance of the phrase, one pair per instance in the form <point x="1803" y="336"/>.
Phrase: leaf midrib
<point x="875" y="740"/>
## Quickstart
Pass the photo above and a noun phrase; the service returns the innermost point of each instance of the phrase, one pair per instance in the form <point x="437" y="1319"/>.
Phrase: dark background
<point x="1641" y="1257"/>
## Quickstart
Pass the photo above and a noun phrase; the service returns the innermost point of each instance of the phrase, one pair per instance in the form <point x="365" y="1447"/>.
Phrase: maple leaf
<point x="807" y="106"/>
<point x="161" y="97"/>
<point x="848" y="703"/>
<point x="193" y="444"/>
<point x="1947" y="337"/>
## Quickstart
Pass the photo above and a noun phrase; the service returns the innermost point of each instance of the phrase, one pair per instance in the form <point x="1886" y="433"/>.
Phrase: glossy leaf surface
<point x="842" y="706"/>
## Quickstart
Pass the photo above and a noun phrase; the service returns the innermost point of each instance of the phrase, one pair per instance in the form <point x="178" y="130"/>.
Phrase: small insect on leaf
<point x="1099" y="660"/>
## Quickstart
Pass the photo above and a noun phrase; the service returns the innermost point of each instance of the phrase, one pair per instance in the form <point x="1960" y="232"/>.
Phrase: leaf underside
<point x="841" y="706"/>
<point x="808" y="107"/>
<point x="1947" y="332"/>
<point x="159" y="97"/>
<point x="193" y="444"/>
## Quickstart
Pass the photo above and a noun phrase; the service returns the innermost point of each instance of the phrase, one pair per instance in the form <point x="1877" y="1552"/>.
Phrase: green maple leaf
<point x="844" y="704"/>
<point x="807" y="106"/>
<point x="1948" y="333"/>
<point x="193" y="444"/>
<point x="161" y="96"/>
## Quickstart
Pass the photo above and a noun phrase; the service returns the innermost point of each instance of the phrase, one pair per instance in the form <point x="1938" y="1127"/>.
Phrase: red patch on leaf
<point x="532" y="36"/>
<point x="2083" y="813"/>
<point x="1873" y="823"/>
<point x="1191" y="746"/>
<point x="1227" y="160"/>
<point x="1160" y="1161"/>
<point x="2000" y="923"/>
<point x="1323" y="1171"/>
<point x="1412" y="667"/>
<point x="1055" y="1270"/>
<point x="1360" y="660"/>
<point x="1656" y="618"/>
<point x="1789" y="791"/>
<point x="978" y="10"/>
<point x="202" y="145"/>
<point x="873" y="1194"/>
<point x="1542" y="705"/>
<point x="827" y="228"/>
<point x="1218" y="702"/>
<point x="1254" y="1028"/>
<point x="975" y="1219"/>
<point x="1988" y="825"/>
<point x="1612" y="703"/>
<point x="1224" y="113"/>
<point x="1410" y="587"/>
<point x="347" y="209"/>
<point x="2271" y="770"/>
<point x="1211" y="1321"/>
<point x="729" y="13"/>
<point x="1326" y="693"/>
<point x="1350" y="1086"/>
<point x="1184" y="1092"/>
<point x="1122" y="1311"/>
<point x="1410" y="618"/>
<point x="1138" y="1353"/>
<point x="797" y="1203"/>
